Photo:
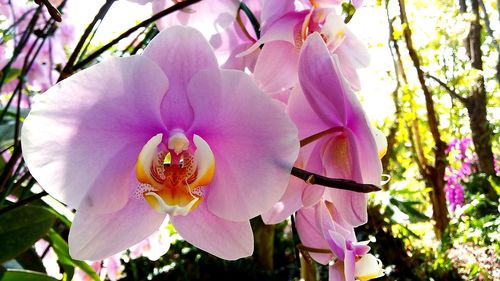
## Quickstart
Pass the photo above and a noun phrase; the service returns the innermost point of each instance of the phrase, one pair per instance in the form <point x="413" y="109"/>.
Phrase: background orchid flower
<point x="292" y="29"/>
<point x="132" y="140"/>
<point x="320" y="227"/>
<point x="340" y="139"/>
<point x="216" y="20"/>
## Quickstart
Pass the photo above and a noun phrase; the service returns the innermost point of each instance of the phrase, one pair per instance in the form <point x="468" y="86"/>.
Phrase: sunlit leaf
<point x="25" y="275"/>
<point x="13" y="73"/>
<point x="62" y="251"/>
<point x="407" y="208"/>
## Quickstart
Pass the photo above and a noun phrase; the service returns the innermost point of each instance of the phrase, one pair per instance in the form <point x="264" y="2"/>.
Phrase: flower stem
<point x="344" y="184"/>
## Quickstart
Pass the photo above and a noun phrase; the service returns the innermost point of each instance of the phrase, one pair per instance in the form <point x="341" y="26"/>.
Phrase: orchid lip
<point x="173" y="177"/>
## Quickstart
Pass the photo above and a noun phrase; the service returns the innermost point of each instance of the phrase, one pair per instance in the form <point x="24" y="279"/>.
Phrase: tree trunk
<point x="434" y="175"/>
<point x="476" y="104"/>
<point x="307" y="270"/>
<point x="264" y="244"/>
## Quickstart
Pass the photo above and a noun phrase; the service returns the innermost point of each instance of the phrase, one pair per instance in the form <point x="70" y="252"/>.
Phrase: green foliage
<point x="21" y="228"/>
<point x="11" y="75"/>
<point x="24" y="275"/>
<point x="186" y="262"/>
<point x="348" y="11"/>
<point x="68" y="264"/>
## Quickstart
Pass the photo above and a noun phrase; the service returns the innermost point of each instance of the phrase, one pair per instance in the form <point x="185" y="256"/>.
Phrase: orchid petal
<point x="349" y="265"/>
<point x="222" y="238"/>
<point x="368" y="267"/>
<point x="321" y="81"/>
<point x="287" y="205"/>
<point x="181" y="52"/>
<point x="312" y="192"/>
<point x="283" y="29"/>
<point x="311" y="234"/>
<point x="336" y="272"/>
<point x="277" y="67"/>
<point x="83" y="135"/>
<point x="369" y="162"/>
<point x="380" y="141"/>
<point x="90" y="234"/>
<point x="272" y="10"/>
<point x="341" y="160"/>
<point x="303" y="115"/>
<point x="249" y="135"/>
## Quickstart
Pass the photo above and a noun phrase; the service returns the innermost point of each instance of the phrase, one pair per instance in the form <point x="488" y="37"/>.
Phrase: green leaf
<point x="348" y="10"/>
<point x="13" y="73"/>
<point x="407" y="208"/>
<point x="61" y="249"/>
<point x="21" y="228"/>
<point x="7" y="133"/>
<point x="25" y="275"/>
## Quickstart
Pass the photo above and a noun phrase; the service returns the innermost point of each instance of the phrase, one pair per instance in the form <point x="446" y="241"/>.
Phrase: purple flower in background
<point x="457" y="173"/>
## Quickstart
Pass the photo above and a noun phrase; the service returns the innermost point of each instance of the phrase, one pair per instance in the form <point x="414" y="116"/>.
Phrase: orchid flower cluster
<point x="463" y="162"/>
<point x="204" y="128"/>
<point x="458" y="149"/>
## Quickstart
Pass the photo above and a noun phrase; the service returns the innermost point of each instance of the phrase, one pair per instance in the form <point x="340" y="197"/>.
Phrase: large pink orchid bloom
<point x="321" y="227"/>
<point x="344" y="146"/>
<point x="132" y="140"/>
<point x="284" y="37"/>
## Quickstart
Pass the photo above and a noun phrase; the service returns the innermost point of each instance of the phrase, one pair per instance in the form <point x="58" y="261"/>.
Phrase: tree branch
<point x="68" y="68"/>
<point x="53" y="11"/>
<point x="23" y="202"/>
<point x="450" y="91"/>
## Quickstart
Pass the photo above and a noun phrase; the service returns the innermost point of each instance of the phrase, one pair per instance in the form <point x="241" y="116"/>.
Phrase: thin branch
<point x="450" y="91"/>
<point x="97" y="53"/>
<point x="68" y="68"/>
<point x="344" y="184"/>
<point x="53" y="11"/>
<point x="23" y="202"/>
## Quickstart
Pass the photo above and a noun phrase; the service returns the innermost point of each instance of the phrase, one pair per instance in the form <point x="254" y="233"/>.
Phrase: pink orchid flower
<point x="284" y="37"/>
<point x="319" y="228"/>
<point x="132" y="140"/>
<point x="154" y="246"/>
<point x="341" y="143"/>
<point x="215" y="20"/>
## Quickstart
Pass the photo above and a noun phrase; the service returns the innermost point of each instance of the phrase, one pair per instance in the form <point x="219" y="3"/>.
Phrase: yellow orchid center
<point x="172" y="176"/>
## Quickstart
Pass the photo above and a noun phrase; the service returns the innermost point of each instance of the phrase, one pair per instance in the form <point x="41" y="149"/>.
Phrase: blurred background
<point x="432" y="87"/>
